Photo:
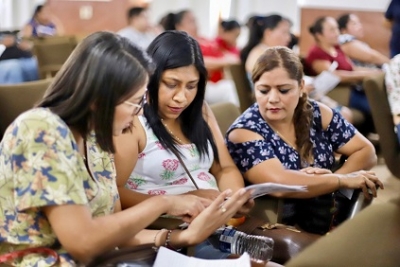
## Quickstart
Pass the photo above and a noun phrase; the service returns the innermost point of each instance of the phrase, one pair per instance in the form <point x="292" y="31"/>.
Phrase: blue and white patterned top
<point x="325" y="141"/>
<point x="248" y="154"/>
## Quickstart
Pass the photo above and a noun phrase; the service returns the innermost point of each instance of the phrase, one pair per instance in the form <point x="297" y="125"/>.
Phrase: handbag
<point x="9" y="257"/>
<point x="143" y="256"/>
<point x="288" y="240"/>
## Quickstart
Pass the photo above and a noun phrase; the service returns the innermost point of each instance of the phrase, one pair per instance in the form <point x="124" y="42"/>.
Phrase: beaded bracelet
<point x="168" y="240"/>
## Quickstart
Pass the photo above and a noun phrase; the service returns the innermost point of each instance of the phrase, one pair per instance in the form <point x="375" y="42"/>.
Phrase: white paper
<point x="268" y="188"/>
<point x="2" y="48"/>
<point x="325" y="82"/>
<point x="168" y="258"/>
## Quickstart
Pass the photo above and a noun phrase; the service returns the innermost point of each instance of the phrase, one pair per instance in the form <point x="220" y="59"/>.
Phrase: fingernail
<point x="228" y="191"/>
<point x="242" y="192"/>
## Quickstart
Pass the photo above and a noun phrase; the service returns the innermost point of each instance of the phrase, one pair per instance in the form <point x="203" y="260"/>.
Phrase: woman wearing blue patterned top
<point x="286" y="138"/>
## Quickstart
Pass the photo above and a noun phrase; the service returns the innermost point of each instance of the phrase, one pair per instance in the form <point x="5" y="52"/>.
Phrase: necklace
<point x="190" y="147"/>
<point x="171" y="133"/>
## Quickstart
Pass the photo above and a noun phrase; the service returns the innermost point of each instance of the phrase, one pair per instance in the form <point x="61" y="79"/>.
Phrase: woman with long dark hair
<point x="176" y="123"/>
<point x="268" y="31"/>
<point x="57" y="175"/>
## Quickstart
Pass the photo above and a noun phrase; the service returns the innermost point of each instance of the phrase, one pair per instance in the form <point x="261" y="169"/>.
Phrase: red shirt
<point x="316" y="53"/>
<point x="216" y="49"/>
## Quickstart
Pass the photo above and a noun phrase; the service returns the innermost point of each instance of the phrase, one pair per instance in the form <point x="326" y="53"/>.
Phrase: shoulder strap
<point x="186" y="169"/>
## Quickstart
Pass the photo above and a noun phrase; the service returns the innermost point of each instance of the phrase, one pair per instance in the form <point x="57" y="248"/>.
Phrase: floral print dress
<point x="40" y="166"/>
<point x="325" y="141"/>
<point x="159" y="172"/>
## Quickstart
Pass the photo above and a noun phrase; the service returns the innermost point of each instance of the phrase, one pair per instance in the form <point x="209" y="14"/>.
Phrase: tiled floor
<point x="391" y="183"/>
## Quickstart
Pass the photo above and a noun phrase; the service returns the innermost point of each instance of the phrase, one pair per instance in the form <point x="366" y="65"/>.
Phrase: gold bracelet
<point x="155" y="237"/>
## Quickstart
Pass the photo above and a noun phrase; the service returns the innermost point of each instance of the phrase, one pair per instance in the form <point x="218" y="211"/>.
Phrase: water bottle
<point x="227" y="239"/>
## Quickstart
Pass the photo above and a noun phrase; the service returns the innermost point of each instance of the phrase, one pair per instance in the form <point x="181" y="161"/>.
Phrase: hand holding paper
<point x="268" y="188"/>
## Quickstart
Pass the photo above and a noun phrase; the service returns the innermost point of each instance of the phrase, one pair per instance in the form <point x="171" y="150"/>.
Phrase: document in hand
<point x="326" y="80"/>
<point x="2" y="49"/>
<point x="268" y="188"/>
<point x="169" y="258"/>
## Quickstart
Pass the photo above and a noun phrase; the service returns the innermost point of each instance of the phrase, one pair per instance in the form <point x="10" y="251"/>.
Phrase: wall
<point x="14" y="14"/>
<point x="84" y="17"/>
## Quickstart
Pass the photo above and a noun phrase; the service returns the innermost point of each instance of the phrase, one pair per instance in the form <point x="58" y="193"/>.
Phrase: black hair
<point x="169" y="21"/>
<point x="343" y="20"/>
<point x="37" y="10"/>
<point x="171" y="50"/>
<point x="134" y="12"/>
<point x="229" y="25"/>
<point x="104" y="70"/>
<point x="294" y="40"/>
<point x="257" y="25"/>
<point x="317" y="27"/>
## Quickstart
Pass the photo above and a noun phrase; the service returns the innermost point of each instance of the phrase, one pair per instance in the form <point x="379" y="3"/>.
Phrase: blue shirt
<point x="393" y="14"/>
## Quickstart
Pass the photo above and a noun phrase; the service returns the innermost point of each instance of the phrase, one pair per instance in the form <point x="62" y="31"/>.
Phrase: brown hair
<point x="283" y="57"/>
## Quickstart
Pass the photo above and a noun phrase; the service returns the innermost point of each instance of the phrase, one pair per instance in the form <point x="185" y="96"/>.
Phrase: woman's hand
<point x="187" y="206"/>
<point x="213" y="194"/>
<point x="246" y="208"/>
<point x="367" y="181"/>
<point x="210" y="194"/>
<point x="214" y="216"/>
<point x="313" y="170"/>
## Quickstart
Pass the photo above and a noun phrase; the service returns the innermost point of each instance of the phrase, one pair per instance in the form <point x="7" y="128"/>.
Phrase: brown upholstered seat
<point x="17" y="98"/>
<point x="52" y="52"/>
<point x="376" y="92"/>
<point x="243" y="86"/>
<point x="225" y="113"/>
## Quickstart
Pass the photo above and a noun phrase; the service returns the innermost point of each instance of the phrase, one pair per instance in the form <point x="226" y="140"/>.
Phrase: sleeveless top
<point x="159" y="172"/>
<point x="347" y="38"/>
<point x="42" y="29"/>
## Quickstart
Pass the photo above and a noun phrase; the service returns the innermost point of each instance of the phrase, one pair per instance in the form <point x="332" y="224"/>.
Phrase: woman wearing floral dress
<point x="175" y="121"/>
<point x="287" y="138"/>
<point x="57" y="174"/>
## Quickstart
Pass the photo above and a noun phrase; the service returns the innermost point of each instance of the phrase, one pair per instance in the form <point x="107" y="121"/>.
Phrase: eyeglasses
<point x="138" y="107"/>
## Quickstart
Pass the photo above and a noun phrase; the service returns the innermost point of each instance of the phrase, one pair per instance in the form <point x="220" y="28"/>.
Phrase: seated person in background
<point x="392" y="81"/>
<point x="287" y="138"/>
<point x="219" y="88"/>
<point x="41" y="24"/>
<point x="57" y="171"/>
<point x="392" y="21"/>
<point x="358" y="51"/>
<point x="228" y="34"/>
<point x="138" y="29"/>
<point x="17" y="64"/>
<point x="175" y="121"/>
<point x="327" y="50"/>
<point x="264" y="32"/>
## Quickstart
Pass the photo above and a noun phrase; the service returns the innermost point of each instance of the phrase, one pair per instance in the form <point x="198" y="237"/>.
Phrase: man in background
<point x="138" y="30"/>
<point x="17" y="64"/>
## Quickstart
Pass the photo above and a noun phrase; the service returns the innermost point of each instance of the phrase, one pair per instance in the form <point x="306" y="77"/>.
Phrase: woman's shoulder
<point x="250" y="119"/>
<point x="40" y="119"/>
<point x="346" y="38"/>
